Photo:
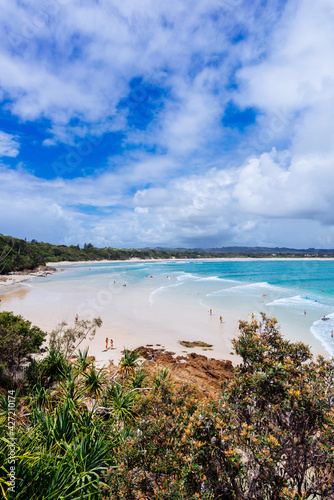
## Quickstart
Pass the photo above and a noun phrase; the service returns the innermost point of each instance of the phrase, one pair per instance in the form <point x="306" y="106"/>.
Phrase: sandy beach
<point x="131" y="316"/>
<point x="11" y="279"/>
<point x="159" y="310"/>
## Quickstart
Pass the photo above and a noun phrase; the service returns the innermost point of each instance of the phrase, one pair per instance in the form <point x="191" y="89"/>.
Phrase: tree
<point x="129" y="362"/>
<point x="280" y="417"/>
<point x="270" y="435"/>
<point x="94" y="381"/>
<point x="18" y="341"/>
<point x="67" y="340"/>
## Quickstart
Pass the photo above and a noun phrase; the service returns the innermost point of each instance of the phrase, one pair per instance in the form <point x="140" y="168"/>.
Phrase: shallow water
<point x="176" y="296"/>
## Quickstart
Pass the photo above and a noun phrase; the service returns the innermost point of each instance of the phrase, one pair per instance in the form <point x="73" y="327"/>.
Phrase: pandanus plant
<point x="64" y="455"/>
<point x="129" y="362"/>
<point x="55" y="366"/>
<point x="138" y="377"/>
<point x="94" y="382"/>
<point x="122" y="403"/>
<point x="82" y="362"/>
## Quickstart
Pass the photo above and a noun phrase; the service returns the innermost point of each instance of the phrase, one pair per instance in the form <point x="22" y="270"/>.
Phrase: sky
<point x="181" y="123"/>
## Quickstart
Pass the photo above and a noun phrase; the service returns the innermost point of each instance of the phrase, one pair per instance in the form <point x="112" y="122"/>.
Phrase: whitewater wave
<point x="216" y="278"/>
<point x="297" y="301"/>
<point x="187" y="276"/>
<point x="161" y="289"/>
<point x="322" y="331"/>
<point x="253" y="288"/>
<point x="194" y="277"/>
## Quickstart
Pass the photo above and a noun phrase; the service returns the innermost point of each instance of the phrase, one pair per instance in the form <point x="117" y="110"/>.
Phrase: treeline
<point x="19" y="255"/>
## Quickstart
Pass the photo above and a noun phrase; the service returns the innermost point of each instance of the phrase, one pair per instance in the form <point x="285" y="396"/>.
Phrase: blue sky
<point x="177" y="123"/>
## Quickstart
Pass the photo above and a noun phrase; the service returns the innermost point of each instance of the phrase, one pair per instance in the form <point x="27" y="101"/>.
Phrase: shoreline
<point x="142" y="315"/>
<point x="17" y="277"/>
<point x="206" y="259"/>
<point x="129" y="317"/>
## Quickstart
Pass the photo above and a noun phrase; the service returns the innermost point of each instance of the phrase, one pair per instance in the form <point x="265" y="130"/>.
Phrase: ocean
<point x="297" y="292"/>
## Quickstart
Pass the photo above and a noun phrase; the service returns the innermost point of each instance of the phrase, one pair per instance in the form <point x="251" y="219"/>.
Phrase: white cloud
<point x="263" y="202"/>
<point x="77" y="61"/>
<point x="63" y="60"/>
<point x="9" y="146"/>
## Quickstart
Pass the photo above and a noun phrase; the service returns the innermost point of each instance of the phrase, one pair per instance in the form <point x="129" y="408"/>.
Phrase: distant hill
<point x="19" y="255"/>
<point x="270" y="250"/>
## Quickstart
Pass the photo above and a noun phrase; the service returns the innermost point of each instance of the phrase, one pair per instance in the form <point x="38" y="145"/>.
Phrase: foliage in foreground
<point x="18" y="341"/>
<point x="269" y="436"/>
<point x="129" y="436"/>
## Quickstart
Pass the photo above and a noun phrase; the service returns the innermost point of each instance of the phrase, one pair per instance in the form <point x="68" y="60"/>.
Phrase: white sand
<point x="134" y="316"/>
<point x="13" y="279"/>
<point x="131" y="317"/>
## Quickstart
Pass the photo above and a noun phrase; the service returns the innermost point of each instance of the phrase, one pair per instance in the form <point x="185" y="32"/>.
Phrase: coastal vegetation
<point x="130" y="432"/>
<point x="196" y="343"/>
<point x="20" y="255"/>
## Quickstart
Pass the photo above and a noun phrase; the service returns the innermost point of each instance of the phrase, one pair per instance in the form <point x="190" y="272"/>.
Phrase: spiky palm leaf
<point x="129" y="362"/>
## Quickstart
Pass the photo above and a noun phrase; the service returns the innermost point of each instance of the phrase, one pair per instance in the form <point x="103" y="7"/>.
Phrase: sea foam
<point x="252" y="288"/>
<point x="161" y="289"/>
<point x="297" y="301"/>
<point x="322" y="331"/>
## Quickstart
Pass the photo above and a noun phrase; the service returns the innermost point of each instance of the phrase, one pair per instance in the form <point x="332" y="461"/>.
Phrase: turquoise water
<point x="280" y="288"/>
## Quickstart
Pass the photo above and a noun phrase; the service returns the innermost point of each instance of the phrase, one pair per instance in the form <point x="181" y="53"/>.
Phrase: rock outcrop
<point x="204" y="374"/>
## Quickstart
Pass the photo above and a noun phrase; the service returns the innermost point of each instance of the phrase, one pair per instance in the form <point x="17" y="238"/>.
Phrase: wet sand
<point x="132" y="316"/>
<point x="157" y="312"/>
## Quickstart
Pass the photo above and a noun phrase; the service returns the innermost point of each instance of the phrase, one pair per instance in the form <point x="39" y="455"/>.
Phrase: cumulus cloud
<point x="162" y="75"/>
<point x="9" y="146"/>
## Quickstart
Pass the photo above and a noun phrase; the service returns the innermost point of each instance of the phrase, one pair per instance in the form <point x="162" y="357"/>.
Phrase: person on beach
<point x="304" y="312"/>
<point x="107" y="340"/>
<point x="221" y="319"/>
<point x="332" y="334"/>
<point x="210" y="312"/>
<point x="111" y="343"/>
<point x="76" y="318"/>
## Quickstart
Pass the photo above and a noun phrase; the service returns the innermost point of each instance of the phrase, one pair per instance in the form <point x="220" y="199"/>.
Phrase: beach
<point x="17" y="277"/>
<point x="159" y="303"/>
<point x="131" y="317"/>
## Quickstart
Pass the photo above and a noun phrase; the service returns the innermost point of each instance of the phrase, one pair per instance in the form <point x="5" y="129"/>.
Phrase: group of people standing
<point x="111" y="343"/>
